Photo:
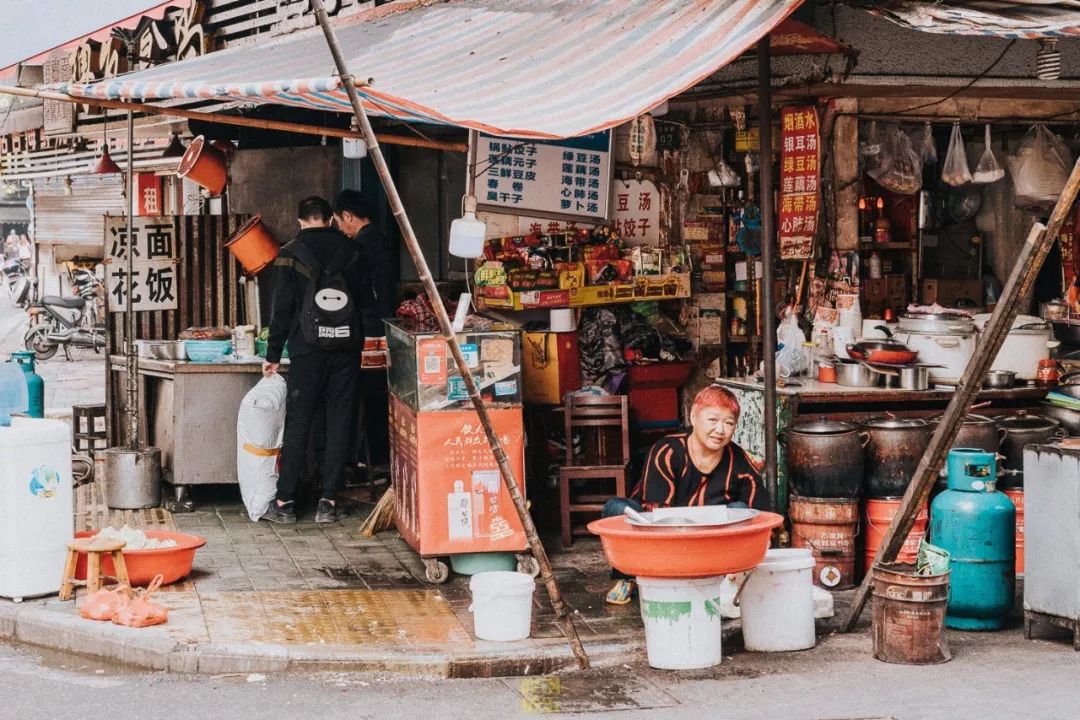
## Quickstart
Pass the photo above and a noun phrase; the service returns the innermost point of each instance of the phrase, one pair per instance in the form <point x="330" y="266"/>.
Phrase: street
<point x="837" y="680"/>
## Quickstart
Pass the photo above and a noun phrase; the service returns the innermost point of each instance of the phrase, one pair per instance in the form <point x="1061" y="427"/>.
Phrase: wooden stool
<point x="94" y="549"/>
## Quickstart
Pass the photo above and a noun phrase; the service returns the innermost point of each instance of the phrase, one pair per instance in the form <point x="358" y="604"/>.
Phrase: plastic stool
<point x="94" y="549"/>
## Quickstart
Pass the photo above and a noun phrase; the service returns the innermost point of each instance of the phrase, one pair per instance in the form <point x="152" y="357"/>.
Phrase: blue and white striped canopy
<point x="519" y="68"/>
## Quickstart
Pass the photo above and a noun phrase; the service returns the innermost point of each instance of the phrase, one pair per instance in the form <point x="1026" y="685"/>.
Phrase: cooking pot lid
<point x="890" y="423"/>
<point x="936" y="317"/>
<point x="822" y="426"/>
<point x="1027" y="421"/>
<point x="1022" y="325"/>
<point x="969" y="419"/>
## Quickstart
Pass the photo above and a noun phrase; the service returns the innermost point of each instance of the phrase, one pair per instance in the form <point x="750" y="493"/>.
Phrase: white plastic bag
<point x="1040" y="168"/>
<point x="899" y="166"/>
<point x="955" y="171"/>
<point x="260" y="427"/>
<point x="929" y="149"/>
<point x="988" y="170"/>
<point x="790" y="357"/>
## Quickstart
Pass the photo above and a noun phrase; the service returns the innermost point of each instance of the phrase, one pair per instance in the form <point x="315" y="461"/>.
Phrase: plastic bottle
<point x="875" y="266"/>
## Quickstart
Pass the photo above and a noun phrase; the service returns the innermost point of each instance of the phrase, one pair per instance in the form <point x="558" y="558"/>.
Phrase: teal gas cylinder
<point x="35" y="386"/>
<point x="977" y="525"/>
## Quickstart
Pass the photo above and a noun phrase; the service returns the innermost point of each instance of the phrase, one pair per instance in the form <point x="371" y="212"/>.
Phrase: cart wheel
<point x="527" y="564"/>
<point x="436" y="571"/>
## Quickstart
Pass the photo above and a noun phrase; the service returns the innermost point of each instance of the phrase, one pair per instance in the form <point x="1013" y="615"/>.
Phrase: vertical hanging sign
<point x="800" y="174"/>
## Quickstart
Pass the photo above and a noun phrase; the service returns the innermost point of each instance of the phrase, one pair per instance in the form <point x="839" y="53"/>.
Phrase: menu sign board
<point x="568" y="178"/>
<point x="800" y="175"/>
<point x="153" y="246"/>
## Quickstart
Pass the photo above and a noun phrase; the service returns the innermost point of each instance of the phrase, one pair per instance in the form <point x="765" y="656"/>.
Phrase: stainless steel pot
<point x="896" y="445"/>
<point x="855" y="374"/>
<point x="999" y="379"/>
<point x="1021" y="430"/>
<point x="825" y="458"/>
<point x="915" y="377"/>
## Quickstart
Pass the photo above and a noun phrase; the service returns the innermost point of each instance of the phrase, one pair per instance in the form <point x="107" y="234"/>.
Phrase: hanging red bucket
<point x="204" y="165"/>
<point x="253" y="246"/>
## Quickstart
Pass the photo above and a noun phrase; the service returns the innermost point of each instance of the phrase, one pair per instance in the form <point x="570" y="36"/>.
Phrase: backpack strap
<point x="309" y="265"/>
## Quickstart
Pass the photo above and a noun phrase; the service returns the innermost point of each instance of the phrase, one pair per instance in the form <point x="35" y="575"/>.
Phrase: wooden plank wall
<point x="208" y="294"/>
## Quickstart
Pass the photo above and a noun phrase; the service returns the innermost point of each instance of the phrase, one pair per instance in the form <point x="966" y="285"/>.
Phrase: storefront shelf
<point x="647" y="287"/>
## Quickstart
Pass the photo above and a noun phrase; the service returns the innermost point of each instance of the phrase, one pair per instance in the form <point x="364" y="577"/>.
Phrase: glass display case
<point x="423" y="374"/>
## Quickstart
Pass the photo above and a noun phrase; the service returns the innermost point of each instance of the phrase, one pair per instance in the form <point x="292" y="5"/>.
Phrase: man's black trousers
<point x="321" y="381"/>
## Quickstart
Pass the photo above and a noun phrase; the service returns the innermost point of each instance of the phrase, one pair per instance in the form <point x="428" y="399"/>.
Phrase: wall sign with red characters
<point x="800" y="181"/>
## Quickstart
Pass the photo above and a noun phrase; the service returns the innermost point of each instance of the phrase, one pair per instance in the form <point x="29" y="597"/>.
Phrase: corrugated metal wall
<point x="78" y="218"/>
<point x="208" y="291"/>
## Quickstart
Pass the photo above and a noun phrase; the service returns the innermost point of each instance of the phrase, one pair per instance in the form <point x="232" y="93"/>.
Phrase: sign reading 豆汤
<point x="153" y="248"/>
<point x="568" y="178"/>
<point x="800" y="174"/>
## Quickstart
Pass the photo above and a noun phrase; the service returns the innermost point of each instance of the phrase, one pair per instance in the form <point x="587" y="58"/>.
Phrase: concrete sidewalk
<point x="269" y="598"/>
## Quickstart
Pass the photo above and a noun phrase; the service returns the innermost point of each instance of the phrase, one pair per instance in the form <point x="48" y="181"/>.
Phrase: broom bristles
<point x="381" y="518"/>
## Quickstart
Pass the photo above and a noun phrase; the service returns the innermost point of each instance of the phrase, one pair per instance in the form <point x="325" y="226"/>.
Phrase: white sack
<point x="260" y="428"/>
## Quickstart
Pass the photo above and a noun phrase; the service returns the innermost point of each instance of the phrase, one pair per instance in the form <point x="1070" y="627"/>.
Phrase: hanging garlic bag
<point x="955" y="172"/>
<point x="988" y="170"/>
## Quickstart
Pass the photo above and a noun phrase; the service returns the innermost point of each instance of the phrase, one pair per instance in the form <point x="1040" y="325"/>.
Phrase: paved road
<point x="79" y="381"/>
<point x="992" y="676"/>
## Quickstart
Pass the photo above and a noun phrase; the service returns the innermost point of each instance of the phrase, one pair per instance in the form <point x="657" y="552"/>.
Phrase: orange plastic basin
<point x="685" y="553"/>
<point x="142" y="565"/>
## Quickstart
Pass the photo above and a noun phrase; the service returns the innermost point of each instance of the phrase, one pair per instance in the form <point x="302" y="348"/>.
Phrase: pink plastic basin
<point x="685" y="553"/>
<point x="142" y="565"/>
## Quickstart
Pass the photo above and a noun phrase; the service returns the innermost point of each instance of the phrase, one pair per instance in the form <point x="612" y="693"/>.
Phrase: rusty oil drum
<point x="893" y="453"/>
<point x="909" y="615"/>
<point x="827" y="526"/>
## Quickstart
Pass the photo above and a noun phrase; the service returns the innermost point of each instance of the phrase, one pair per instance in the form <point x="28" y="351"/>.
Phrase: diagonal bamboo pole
<point x="562" y="617"/>
<point x="1027" y="266"/>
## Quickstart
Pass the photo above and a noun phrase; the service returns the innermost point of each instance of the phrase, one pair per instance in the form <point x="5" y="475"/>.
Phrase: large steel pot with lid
<point x="1023" y="429"/>
<point x="825" y="458"/>
<point x="893" y="452"/>
<point x="942" y="339"/>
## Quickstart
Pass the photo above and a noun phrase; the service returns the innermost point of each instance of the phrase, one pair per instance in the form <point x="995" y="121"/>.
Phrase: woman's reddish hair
<point x="718" y="397"/>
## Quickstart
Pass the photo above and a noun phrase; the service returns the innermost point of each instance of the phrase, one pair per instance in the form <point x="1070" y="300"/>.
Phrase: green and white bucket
<point x="682" y="621"/>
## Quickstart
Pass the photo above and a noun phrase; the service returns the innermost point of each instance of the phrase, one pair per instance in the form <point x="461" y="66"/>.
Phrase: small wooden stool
<point x="94" y="549"/>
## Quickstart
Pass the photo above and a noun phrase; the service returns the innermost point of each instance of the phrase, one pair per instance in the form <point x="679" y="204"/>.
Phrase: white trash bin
<point x="502" y="605"/>
<point x="777" y="602"/>
<point x="682" y="621"/>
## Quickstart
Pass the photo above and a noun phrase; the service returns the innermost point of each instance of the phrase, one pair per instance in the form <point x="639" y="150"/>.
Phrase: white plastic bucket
<point x="502" y="605"/>
<point x="777" y="602"/>
<point x="682" y="621"/>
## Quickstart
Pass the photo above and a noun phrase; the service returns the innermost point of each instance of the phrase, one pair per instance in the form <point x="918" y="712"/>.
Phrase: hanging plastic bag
<point x="928" y="149"/>
<point x="139" y="611"/>
<point x="1040" y="168"/>
<point x="900" y="167"/>
<point x="955" y="172"/>
<point x="790" y="359"/>
<point x="728" y="177"/>
<point x="988" y="170"/>
<point x="260" y="427"/>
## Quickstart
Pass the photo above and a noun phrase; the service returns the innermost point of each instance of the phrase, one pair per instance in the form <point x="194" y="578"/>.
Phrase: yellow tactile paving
<point x="365" y="617"/>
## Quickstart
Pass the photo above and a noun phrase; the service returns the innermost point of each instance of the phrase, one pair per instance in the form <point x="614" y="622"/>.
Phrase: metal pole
<point x="768" y="315"/>
<point x="1028" y="264"/>
<point x="129" y="313"/>
<point x="413" y="245"/>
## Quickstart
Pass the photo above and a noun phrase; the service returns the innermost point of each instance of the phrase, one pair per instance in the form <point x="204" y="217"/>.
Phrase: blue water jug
<point x="12" y="392"/>
<point x="977" y="525"/>
<point x="35" y="385"/>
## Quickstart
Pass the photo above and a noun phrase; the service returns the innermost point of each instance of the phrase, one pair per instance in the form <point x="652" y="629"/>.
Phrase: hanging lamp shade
<point x="105" y="164"/>
<point x="175" y="148"/>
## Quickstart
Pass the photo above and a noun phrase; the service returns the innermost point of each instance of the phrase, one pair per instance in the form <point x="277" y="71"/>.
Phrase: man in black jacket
<point x="354" y="213"/>
<point x="318" y="379"/>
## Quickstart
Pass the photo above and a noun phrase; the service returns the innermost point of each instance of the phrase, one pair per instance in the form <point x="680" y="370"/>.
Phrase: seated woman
<point x="700" y="467"/>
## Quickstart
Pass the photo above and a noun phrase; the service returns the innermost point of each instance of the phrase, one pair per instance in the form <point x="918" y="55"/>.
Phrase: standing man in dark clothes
<point x="323" y="366"/>
<point x="354" y="213"/>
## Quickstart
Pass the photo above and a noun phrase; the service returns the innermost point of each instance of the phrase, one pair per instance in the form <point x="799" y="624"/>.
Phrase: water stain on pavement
<point x="588" y="694"/>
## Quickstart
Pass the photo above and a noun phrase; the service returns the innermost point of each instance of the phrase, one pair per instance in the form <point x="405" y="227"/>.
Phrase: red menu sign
<point x="800" y="175"/>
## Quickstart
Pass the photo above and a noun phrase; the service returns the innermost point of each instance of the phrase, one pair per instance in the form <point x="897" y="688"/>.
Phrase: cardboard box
<point x="896" y="291"/>
<point x="951" y="292"/>
<point x="551" y="365"/>
<point x="875" y="290"/>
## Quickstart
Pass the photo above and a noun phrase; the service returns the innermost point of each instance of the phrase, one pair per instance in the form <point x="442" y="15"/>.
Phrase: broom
<point x="382" y="517"/>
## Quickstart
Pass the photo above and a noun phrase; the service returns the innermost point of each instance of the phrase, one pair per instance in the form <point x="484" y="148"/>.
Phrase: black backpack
<point x="328" y="316"/>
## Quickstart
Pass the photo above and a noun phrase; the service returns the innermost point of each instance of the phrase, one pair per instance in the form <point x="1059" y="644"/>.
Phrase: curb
<point x="33" y="625"/>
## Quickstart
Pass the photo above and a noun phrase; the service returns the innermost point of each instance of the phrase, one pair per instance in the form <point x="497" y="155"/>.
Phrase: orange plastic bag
<point x="102" y="604"/>
<point x="140" y="612"/>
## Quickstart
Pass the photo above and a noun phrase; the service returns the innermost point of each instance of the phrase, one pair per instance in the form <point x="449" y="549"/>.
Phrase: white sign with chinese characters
<point x="153" y="246"/>
<point x="568" y="178"/>
<point x="635" y="212"/>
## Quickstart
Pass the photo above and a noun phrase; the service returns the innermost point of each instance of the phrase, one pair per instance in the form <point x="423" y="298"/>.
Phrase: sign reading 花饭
<point x="153" y="248"/>
<point x="568" y="178"/>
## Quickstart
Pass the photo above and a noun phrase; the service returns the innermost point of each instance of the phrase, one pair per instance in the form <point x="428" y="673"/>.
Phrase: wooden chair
<point x="94" y="549"/>
<point x="603" y="422"/>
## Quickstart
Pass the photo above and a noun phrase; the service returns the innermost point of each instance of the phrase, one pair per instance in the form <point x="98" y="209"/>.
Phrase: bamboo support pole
<point x="1027" y="266"/>
<point x="413" y="245"/>
<point x="222" y="119"/>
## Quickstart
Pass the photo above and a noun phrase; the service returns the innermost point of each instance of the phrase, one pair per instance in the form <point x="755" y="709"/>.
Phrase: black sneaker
<point x="326" y="512"/>
<point x="278" y="513"/>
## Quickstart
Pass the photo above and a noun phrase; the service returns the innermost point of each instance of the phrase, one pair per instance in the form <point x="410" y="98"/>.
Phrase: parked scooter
<point x="67" y="322"/>
<point x="17" y="280"/>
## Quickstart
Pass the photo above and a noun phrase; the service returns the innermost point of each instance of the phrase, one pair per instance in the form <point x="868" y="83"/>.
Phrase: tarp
<point x="1023" y="20"/>
<point x="520" y="68"/>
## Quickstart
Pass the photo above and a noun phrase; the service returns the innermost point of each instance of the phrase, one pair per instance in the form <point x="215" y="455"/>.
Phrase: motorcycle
<point x="17" y="279"/>
<point x="67" y="321"/>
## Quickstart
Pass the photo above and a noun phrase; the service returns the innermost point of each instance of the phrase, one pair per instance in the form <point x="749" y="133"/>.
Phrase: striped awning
<point x="519" y="68"/>
<point x="1030" y="19"/>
